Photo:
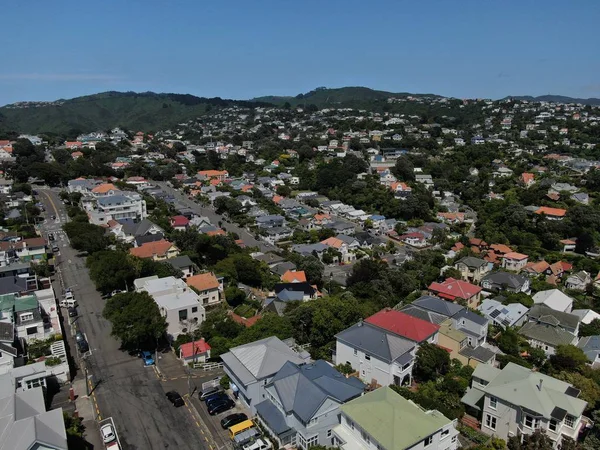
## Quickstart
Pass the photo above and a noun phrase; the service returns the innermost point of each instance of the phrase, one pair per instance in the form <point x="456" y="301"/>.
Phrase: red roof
<point x="193" y="348"/>
<point x="403" y="324"/>
<point x="453" y="289"/>
<point x="243" y="321"/>
<point x="179" y="221"/>
<point x="556" y="212"/>
<point x="515" y="255"/>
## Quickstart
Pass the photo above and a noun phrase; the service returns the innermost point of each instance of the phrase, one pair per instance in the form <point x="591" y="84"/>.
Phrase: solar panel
<point x="506" y="322"/>
<point x="494" y="313"/>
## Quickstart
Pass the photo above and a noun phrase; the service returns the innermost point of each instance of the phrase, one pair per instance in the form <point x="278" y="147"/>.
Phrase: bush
<point x="346" y="368"/>
<point x="53" y="361"/>
<point x="224" y="382"/>
<point x="473" y="435"/>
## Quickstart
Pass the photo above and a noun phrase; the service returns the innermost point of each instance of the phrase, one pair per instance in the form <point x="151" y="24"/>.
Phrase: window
<point x="31" y="330"/>
<point x="194" y="309"/>
<point x="490" y="422"/>
<point x="313" y="421"/>
<point x="312" y="441"/>
<point x="428" y="441"/>
<point x="26" y="316"/>
<point x="367" y="357"/>
<point x="493" y="402"/>
<point x="328" y="433"/>
<point x="445" y="433"/>
<point x="553" y="425"/>
<point x="570" y="421"/>
<point x="183" y="315"/>
<point x="528" y="421"/>
<point x="355" y="352"/>
<point x="365" y="437"/>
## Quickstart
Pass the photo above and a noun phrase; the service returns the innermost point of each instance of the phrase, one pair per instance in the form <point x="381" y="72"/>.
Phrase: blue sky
<point x="243" y="49"/>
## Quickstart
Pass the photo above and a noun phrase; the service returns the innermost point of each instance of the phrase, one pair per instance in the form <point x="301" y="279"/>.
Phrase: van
<point x="68" y="303"/>
<point x="208" y="392"/>
<point x="240" y="428"/>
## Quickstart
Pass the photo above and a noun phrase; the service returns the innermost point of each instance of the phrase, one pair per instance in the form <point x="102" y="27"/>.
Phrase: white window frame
<point x="493" y="402"/>
<point x="491" y="422"/>
<point x="571" y="419"/>
<point x="553" y="423"/>
<point x="329" y="433"/>
<point x="428" y="441"/>
<point x="313" y="440"/>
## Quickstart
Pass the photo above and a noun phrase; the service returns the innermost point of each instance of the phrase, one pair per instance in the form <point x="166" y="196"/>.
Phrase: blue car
<point x="148" y="358"/>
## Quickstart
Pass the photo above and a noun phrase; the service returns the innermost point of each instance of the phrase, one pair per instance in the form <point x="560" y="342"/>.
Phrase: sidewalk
<point x="86" y="410"/>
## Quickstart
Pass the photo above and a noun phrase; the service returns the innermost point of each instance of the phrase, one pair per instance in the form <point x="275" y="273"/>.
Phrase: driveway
<point x="133" y="395"/>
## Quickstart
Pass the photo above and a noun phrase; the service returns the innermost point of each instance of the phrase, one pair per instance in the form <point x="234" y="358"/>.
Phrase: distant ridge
<point x="555" y="99"/>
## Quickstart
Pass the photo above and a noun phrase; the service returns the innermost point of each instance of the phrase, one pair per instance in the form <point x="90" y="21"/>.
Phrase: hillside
<point x="134" y="111"/>
<point x="335" y="97"/>
<point x="556" y="99"/>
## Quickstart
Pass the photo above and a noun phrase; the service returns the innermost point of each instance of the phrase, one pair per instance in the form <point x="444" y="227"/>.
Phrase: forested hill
<point x="556" y="99"/>
<point x="146" y="111"/>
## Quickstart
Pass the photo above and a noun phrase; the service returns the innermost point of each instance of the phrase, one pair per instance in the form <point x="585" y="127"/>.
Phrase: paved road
<point x="214" y="218"/>
<point x="131" y="394"/>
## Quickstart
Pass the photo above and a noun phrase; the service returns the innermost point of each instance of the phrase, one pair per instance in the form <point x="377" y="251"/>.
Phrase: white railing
<point x="207" y="366"/>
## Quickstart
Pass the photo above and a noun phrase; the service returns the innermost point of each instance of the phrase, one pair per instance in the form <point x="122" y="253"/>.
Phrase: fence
<point x="207" y="366"/>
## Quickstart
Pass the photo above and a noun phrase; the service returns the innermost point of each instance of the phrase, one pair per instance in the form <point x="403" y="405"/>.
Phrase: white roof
<point x="554" y="299"/>
<point x="586" y="315"/>
<point x="178" y="301"/>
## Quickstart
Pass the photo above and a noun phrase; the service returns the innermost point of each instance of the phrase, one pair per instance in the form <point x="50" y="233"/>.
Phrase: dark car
<point x="233" y="419"/>
<point x="72" y="311"/>
<point x="219" y="396"/>
<point x="220" y="406"/>
<point x="79" y="336"/>
<point x="83" y="346"/>
<point x="50" y="237"/>
<point x="55" y="249"/>
<point x="175" y="398"/>
<point x="203" y="395"/>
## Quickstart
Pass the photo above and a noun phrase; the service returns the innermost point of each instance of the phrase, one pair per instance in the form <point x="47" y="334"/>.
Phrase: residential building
<point x="579" y="281"/>
<point x="546" y="334"/>
<point x="514" y="261"/>
<point x="472" y="269"/>
<point x="385" y="420"/>
<point x="505" y="281"/>
<point x="251" y="367"/>
<point x="158" y="250"/>
<point x="294" y="276"/>
<point x="196" y="352"/>
<point x="586" y="316"/>
<point x="453" y="290"/>
<point x="456" y="342"/>
<point x="303" y="402"/>
<point x="551" y="213"/>
<point x="591" y="347"/>
<point x="180" y="223"/>
<point x="103" y="206"/>
<point x="517" y="400"/>
<point x="302" y="291"/>
<point x="555" y="299"/>
<point x="511" y="315"/>
<point x="567" y="321"/>
<point x="127" y="230"/>
<point x="405" y="325"/>
<point x="183" y="263"/>
<point x="178" y="304"/>
<point x="208" y="287"/>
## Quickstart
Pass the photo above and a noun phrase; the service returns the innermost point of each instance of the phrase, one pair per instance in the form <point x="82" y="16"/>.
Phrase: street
<point x="122" y="388"/>
<point x="215" y="218"/>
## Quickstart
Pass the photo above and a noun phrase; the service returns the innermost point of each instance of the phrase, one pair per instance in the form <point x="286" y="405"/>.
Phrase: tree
<point x="590" y="329"/>
<point x="535" y="441"/>
<point x="404" y="169"/>
<point x="86" y="237"/>
<point x="432" y="362"/>
<point x="568" y="358"/>
<point x="508" y="342"/>
<point x="234" y="296"/>
<point x="136" y="319"/>
<point x="110" y="270"/>
<point x="283" y="190"/>
<point x="453" y="273"/>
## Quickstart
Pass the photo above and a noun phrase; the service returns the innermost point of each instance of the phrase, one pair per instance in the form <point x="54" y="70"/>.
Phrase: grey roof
<point x="141" y="240"/>
<point x="303" y="389"/>
<point x="283" y="267"/>
<point x="180" y="262"/>
<point x="11" y="285"/>
<point x="376" y="341"/>
<point x="423" y="314"/>
<point x="6" y="348"/>
<point x="289" y="296"/>
<point x="140" y="228"/>
<point x="309" y="248"/>
<point x="437" y="305"/>
<point x="24" y="422"/>
<point x="479" y="353"/>
<point x="545" y="314"/>
<point x="274" y="418"/>
<point x="470" y="315"/>
<point x="259" y="359"/>
<point x="7" y="332"/>
<point x="547" y="334"/>
<point x="500" y="278"/>
<point x="507" y="315"/>
<point x="472" y="262"/>
<point x="269" y="258"/>
<point x="115" y="199"/>
<point x="590" y="346"/>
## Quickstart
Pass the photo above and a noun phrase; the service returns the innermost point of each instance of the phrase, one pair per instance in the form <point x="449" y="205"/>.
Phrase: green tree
<point x="508" y="342"/>
<point x="404" y="169"/>
<point x="590" y="329"/>
<point x="86" y="237"/>
<point x="590" y="391"/>
<point x="234" y="296"/>
<point x="535" y="441"/>
<point x="431" y="363"/>
<point x="135" y="318"/>
<point x="111" y="270"/>
<point x="284" y="191"/>
<point x="568" y="358"/>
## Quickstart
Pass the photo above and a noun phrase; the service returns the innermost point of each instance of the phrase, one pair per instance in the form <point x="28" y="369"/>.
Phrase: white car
<point x="108" y="433"/>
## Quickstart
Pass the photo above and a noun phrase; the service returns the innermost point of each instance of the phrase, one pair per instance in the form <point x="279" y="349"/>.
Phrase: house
<point x="208" y="287"/>
<point x="178" y="304"/>
<point x="472" y="269"/>
<point x="384" y="420"/>
<point x="586" y="316"/>
<point x="414" y="239"/>
<point x="295" y="291"/>
<point x="453" y="290"/>
<point x="26" y="424"/>
<point x="194" y="352"/>
<point x="158" y="251"/>
<point x="546" y="334"/>
<point x="551" y="213"/>
<point x="303" y="402"/>
<point x="376" y="354"/>
<point x="179" y="223"/>
<point x="128" y="230"/>
<point x="451" y="217"/>
<point x="294" y="276"/>
<point x="505" y="281"/>
<point x="427" y="180"/>
<point x="568" y="245"/>
<point x="270" y="221"/>
<point x="591" y="347"/>
<point x="456" y="342"/>
<point x="567" y="321"/>
<point x="405" y="325"/>
<point x="220" y="175"/>
<point x="514" y="261"/>
<point x="275" y="234"/>
<point x="511" y="315"/>
<point x="555" y="299"/>
<point x="183" y="263"/>
<point x="107" y="204"/>
<point x="250" y="367"/>
<point x="527" y="179"/>
<point x="578" y="281"/>
<point x="517" y="400"/>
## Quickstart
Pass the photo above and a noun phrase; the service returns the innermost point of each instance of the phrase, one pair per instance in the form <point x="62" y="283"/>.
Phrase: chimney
<point x="540" y="385"/>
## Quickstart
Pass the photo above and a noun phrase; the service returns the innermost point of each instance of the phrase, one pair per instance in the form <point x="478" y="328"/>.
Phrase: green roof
<point x="26" y="302"/>
<point x="394" y="422"/>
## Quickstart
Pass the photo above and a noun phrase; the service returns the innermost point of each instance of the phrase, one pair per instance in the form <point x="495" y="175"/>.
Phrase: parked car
<point x="53" y="217"/>
<point x="220" y="406"/>
<point x="69" y="294"/>
<point x="147" y="358"/>
<point x="216" y="397"/>
<point x="55" y="249"/>
<point x="50" y="236"/>
<point x="79" y="336"/>
<point x="72" y="311"/>
<point x="175" y="398"/>
<point x="108" y="433"/>
<point x="233" y="419"/>
<point x="203" y="395"/>
<point x="83" y="346"/>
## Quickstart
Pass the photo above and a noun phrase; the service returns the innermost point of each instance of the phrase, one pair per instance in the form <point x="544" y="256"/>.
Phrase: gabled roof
<point x="393" y="421"/>
<point x="203" y="281"/>
<point x="472" y="262"/>
<point x="294" y="276"/>
<point x="260" y="359"/>
<point x="547" y="334"/>
<point x="179" y="221"/>
<point x="590" y="346"/>
<point x="424" y="314"/>
<point x="515" y="255"/>
<point x="471" y="316"/>
<point x="295" y="287"/>
<point x="555" y="212"/>
<point x="376" y="341"/>
<point x="542" y="313"/>
<point x="403" y="324"/>
<point x="501" y="278"/>
<point x="149" y="249"/>
<point x="437" y="305"/>
<point x="303" y="389"/>
<point x="553" y="298"/>
<point x="104" y="188"/>
<point x="452" y="289"/>
<point x="194" y="348"/>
